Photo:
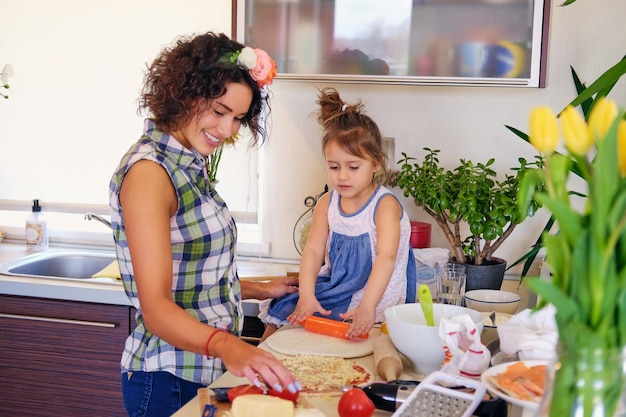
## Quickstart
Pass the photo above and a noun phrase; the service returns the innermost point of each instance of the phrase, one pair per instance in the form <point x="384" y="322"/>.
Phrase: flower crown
<point x="259" y="64"/>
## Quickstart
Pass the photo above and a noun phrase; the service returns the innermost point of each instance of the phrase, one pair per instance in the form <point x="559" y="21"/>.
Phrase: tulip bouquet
<point x="587" y="256"/>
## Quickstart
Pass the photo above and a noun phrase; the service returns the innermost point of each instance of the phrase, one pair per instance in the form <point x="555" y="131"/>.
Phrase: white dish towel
<point x="532" y="335"/>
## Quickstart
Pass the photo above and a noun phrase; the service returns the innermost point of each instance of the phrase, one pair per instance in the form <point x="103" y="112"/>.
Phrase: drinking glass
<point x="450" y="266"/>
<point x="451" y="287"/>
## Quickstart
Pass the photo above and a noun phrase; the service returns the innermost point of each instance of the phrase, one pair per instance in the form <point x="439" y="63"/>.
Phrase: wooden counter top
<point x="325" y="403"/>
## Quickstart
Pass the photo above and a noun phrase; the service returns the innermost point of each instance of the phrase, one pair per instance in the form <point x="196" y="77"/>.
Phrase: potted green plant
<point x="476" y="211"/>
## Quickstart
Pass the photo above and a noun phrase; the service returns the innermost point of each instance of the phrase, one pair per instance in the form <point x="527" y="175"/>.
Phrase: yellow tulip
<point x="577" y="137"/>
<point x="621" y="147"/>
<point x="232" y="139"/>
<point x="601" y="118"/>
<point x="544" y="130"/>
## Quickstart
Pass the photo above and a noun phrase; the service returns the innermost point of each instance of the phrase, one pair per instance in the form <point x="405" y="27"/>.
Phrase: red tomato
<point x="285" y="394"/>
<point x="355" y="403"/>
<point x="251" y="389"/>
<point x="235" y="392"/>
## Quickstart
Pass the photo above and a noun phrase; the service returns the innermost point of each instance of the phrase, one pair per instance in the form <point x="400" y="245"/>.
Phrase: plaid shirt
<point x="205" y="282"/>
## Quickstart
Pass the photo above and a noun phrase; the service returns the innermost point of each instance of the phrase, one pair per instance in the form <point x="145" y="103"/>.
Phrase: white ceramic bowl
<point x="492" y="300"/>
<point x="420" y="343"/>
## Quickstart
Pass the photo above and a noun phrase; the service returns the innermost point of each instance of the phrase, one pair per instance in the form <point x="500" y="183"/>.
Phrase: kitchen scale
<point x="303" y="225"/>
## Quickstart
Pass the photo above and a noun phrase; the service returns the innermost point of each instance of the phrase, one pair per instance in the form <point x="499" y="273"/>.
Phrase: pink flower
<point x="265" y="69"/>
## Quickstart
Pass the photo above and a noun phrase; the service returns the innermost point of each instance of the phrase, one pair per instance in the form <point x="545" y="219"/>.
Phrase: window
<point x="72" y="108"/>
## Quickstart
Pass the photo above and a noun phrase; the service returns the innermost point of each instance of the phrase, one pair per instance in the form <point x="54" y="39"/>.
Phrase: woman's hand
<point x="281" y="286"/>
<point x="257" y="365"/>
<point x="274" y="288"/>
<point x="363" y="320"/>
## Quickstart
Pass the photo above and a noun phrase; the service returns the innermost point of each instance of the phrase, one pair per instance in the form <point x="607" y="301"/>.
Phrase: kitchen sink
<point x="64" y="264"/>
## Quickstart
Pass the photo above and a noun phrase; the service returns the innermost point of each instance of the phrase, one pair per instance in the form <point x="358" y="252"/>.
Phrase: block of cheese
<point x="259" y="405"/>
<point x="308" y="412"/>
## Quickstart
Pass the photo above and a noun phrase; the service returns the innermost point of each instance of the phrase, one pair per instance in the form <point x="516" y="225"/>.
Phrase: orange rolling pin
<point x="328" y="327"/>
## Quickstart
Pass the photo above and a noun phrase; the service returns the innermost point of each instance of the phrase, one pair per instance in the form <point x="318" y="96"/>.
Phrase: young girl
<point x="358" y="259"/>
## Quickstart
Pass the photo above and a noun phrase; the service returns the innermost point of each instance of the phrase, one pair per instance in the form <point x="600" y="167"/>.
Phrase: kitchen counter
<point x="105" y="292"/>
<point x="326" y="404"/>
<point x="112" y="292"/>
<point x="109" y="291"/>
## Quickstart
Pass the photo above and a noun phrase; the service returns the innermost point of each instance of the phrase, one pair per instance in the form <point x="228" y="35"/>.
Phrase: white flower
<point x="247" y="58"/>
<point x="7" y="71"/>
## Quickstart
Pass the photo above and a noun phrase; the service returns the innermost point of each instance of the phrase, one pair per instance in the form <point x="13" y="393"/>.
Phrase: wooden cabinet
<point x="440" y="42"/>
<point x="253" y="329"/>
<point x="61" y="358"/>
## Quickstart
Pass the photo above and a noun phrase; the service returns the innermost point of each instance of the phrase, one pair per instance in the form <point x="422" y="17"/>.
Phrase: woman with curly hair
<point x="174" y="236"/>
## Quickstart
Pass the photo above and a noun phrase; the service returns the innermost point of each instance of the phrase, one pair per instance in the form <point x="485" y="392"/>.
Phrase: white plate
<point x="498" y="369"/>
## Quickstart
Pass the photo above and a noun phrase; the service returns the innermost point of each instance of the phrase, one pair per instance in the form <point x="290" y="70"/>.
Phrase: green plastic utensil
<point x="426" y="301"/>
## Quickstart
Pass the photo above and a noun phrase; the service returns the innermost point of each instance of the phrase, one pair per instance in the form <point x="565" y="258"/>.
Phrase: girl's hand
<point x="306" y="308"/>
<point x="257" y="365"/>
<point x="363" y="320"/>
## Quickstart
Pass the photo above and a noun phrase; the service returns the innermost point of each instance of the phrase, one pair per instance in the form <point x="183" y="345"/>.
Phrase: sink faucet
<point x="93" y="216"/>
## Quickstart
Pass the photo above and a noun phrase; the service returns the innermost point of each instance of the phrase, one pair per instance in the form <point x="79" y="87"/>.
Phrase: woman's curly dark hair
<point x="350" y="127"/>
<point x="190" y="73"/>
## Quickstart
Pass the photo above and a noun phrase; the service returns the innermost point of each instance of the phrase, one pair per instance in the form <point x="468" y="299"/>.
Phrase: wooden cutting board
<point x="298" y="341"/>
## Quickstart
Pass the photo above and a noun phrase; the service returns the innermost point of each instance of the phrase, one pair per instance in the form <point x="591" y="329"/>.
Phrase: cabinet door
<point x="61" y="358"/>
<point x="450" y="42"/>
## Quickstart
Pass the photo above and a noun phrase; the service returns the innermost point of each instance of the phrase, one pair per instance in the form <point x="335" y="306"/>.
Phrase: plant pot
<point x="489" y="275"/>
<point x="420" y="235"/>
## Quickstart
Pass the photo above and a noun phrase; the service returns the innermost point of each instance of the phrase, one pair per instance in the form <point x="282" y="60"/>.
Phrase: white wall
<point x="464" y="122"/>
<point x="47" y="116"/>
<point x="78" y="69"/>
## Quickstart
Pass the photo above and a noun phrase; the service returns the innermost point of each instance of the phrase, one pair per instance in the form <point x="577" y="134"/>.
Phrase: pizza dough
<point x="326" y="374"/>
<point x="298" y="341"/>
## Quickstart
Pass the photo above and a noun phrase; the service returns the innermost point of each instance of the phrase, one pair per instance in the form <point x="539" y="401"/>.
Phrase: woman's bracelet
<point x="206" y="345"/>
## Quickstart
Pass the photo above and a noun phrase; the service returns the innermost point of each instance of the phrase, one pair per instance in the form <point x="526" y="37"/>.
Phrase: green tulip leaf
<point x="519" y="133"/>
<point x="606" y="80"/>
<point x="565" y="307"/>
<point x="604" y="181"/>
<point x="570" y="222"/>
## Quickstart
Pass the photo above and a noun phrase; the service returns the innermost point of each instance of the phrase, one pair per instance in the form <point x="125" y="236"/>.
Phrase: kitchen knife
<point x="221" y="394"/>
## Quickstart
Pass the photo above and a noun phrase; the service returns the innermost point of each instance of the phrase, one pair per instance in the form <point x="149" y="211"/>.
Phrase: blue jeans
<point x="156" y="394"/>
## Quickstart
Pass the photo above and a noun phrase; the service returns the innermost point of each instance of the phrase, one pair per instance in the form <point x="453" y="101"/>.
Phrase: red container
<point x="420" y="235"/>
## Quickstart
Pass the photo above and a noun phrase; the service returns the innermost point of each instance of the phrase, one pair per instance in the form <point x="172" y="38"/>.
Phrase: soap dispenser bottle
<point x="36" y="229"/>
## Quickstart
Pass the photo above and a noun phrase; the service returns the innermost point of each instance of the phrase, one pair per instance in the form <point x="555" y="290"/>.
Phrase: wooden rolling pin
<point x="386" y="358"/>
<point x="328" y="327"/>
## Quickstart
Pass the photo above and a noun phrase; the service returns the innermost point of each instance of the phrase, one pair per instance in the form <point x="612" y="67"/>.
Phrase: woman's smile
<point x="212" y="139"/>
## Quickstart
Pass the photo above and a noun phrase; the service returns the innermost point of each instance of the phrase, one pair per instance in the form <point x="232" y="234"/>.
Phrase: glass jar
<point x="585" y="382"/>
